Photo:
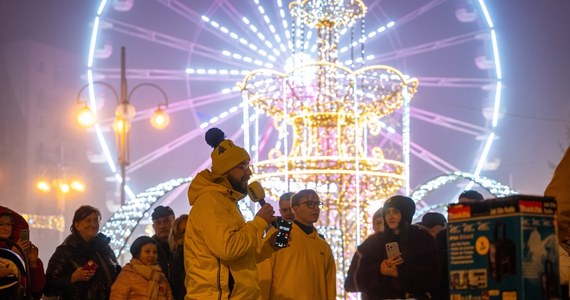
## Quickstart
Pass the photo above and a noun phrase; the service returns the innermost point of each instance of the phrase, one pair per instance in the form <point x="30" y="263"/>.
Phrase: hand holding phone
<point x="25" y="234"/>
<point x="90" y="266"/>
<point x="392" y="249"/>
<point x="284" y="230"/>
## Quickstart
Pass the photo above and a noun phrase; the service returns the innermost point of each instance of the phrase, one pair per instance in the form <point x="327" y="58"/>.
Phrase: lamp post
<point x="124" y="113"/>
<point x="62" y="186"/>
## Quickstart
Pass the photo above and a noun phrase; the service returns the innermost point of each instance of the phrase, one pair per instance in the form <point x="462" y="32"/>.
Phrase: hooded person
<point x="410" y="274"/>
<point x="220" y="246"/>
<point x="12" y="225"/>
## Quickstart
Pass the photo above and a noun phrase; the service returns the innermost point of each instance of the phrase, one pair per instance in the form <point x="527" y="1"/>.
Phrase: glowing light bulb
<point x="43" y="186"/>
<point x="85" y="117"/>
<point x="160" y="119"/>
<point x="78" y="186"/>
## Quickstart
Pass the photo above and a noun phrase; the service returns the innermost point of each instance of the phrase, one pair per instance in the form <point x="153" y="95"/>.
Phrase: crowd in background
<point x="214" y="253"/>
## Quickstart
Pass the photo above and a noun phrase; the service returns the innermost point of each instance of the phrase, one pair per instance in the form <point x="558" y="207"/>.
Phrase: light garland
<point x="330" y="109"/>
<point x="492" y="186"/>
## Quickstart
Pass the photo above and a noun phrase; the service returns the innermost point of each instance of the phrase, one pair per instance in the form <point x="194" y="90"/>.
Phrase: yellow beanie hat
<point x="226" y="155"/>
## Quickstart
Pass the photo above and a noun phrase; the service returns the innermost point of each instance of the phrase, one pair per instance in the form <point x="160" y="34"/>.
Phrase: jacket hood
<point x="207" y="181"/>
<point x="19" y="223"/>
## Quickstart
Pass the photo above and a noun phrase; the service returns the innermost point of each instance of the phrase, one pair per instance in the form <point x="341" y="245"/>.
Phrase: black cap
<point x="472" y="195"/>
<point x="431" y="219"/>
<point x="161" y="212"/>
<point x="139" y="243"/>
<point x="405" y="205"/>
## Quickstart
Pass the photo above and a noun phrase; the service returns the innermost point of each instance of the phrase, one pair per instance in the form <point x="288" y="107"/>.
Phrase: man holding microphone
<point x="220" y="247"/>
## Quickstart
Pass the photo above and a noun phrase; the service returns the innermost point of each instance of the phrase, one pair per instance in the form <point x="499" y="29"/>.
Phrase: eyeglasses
<point x="311" y="204"/>
<point x="244" y="166"/>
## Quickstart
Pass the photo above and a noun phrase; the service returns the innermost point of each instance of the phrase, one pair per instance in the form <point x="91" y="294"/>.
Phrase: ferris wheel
<point x="198" y="52"/>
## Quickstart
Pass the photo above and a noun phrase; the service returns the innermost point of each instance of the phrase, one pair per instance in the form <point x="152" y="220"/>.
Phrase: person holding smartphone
<point x="84" y="266"/>
<point x="15" y="228"/>
<point x="402" y="261"/>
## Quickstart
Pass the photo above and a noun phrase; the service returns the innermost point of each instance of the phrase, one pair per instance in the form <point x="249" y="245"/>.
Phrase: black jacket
<point x="73" y="253"/>
<point x="418" y="274"/>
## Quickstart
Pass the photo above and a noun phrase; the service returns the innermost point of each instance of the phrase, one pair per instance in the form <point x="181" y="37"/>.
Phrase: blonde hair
<point x="176" y="236"/>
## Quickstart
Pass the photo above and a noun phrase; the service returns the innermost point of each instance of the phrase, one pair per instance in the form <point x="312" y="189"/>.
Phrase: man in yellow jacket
<point x="220" y="247"/>
<point x="305" y="270"/>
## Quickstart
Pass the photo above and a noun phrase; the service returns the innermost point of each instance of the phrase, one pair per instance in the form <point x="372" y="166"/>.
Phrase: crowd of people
<point x="214" y="253"/>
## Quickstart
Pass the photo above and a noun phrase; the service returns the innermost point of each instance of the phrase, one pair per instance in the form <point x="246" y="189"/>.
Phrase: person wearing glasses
<point x="306" y="268"/>
<point x="220" y="247"/>
<point x="12" y="226"/>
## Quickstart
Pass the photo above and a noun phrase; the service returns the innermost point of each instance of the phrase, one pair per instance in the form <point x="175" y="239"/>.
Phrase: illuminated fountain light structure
<point x="330" y="114"/>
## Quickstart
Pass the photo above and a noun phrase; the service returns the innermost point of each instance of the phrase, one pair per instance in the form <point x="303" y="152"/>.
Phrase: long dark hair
<point x="402" y="237"/>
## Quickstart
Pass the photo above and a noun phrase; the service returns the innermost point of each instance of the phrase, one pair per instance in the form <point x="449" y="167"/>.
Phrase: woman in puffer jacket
<point x="84" y="266"/>
<point x="142" y="277"/>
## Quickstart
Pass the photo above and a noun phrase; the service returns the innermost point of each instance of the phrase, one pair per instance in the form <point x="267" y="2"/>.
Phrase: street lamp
<point x="62" y="187"/>
<point x="124" y="113"/>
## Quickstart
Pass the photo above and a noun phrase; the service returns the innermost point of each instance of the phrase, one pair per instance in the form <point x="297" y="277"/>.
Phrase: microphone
<point x="256" y="193"/>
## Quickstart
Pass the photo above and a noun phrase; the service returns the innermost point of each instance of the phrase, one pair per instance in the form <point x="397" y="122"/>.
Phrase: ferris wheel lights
<point x="160" y="118"/>
<point x="85" y="117"/>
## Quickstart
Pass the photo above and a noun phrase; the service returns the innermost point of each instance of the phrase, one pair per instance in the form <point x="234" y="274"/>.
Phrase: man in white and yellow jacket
<point x="220" y="247"/>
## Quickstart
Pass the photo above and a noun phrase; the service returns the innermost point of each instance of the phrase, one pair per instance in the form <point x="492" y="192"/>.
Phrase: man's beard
<point x="237" y="184"/>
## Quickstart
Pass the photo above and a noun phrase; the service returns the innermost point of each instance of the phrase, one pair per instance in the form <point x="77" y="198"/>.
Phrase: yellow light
<point x="85" y="117"/>
<point x="121" y="125"/>
<point x="160" y="119"/>
<point x="43" y="186"/>
<point x="78" y="186"/>
<point x="64" y="187"/>
<point x="125" y="111"/>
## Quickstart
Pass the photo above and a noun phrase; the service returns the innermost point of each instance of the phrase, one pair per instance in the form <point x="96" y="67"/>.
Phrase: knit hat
<point x="430" y="219"/>
<point x="161" y="212"/>
<point x="404" y="204"/>
<point x="137" y="245"/>
<point x="226" y="155"/>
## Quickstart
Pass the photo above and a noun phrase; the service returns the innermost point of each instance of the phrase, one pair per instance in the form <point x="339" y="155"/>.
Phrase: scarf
<point x="153" y="274"/>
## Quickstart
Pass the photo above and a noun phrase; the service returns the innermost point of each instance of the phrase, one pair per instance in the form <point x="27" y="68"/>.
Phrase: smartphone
<point x="90" y="265"/>
<point x="284" y="230"/>
<point x="25" y="234"/>
<point x="392" y="249"/>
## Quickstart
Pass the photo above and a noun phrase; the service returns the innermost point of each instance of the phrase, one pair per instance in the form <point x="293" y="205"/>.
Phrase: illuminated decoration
<point x="332" y="111"/>
<point x="494" y="187"/>
<point x="233" y="36"/>
<point x="45" y="222"/>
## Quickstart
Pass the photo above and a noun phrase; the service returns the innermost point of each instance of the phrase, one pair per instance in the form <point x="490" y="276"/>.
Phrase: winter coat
<point x="418" y="274"/>
<point x="178" y="274"/>
<point x="220" y="247"/>
<point x="559" y="188"/>
<point x="141" y="282"/>
<point x="305" y="270"/>
<point x="73" y="253"/>
<point x="37" y="274"/>
<point x="164" y="255"/>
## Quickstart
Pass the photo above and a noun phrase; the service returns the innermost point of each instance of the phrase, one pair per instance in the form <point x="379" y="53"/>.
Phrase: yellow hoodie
<point x="559" y="188"/>
<point x="220" y="247"/>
